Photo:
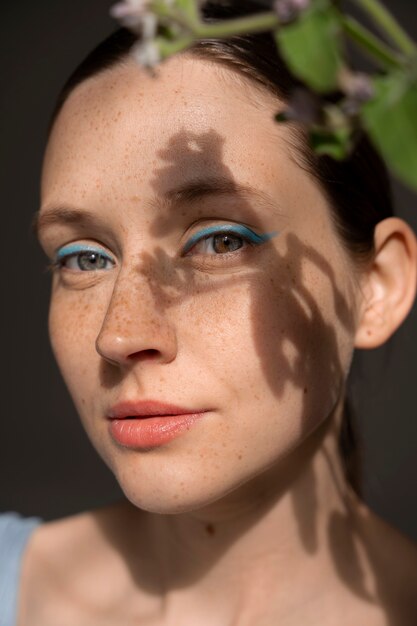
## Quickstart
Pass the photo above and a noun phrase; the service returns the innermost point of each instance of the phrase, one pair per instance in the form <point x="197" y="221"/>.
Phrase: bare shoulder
<point x="70" y="543"/>
<point x="393" y="559"/>
<point x="67" y="564"/>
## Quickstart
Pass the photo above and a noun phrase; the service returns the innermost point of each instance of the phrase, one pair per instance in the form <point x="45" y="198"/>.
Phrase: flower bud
<point x="130" y="12"/>
<point x="357" y="86"/>
<point x="146" y="53"/>
<point x="303" y="106"/>
<point x="289" y="10"/>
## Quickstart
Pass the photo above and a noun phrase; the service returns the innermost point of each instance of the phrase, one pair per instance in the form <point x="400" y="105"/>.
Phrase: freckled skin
<point x="246" y="338"/>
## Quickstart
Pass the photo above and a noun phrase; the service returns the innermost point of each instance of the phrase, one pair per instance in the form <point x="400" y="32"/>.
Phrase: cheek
<point x="302" y="335"/>
<point x="74" y="323"/>
<point x="279" y="342"/>
<point x="274" y="340"/>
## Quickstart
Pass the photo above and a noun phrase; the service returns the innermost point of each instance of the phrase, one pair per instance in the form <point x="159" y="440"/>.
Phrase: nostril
<point x="144" y="354"/>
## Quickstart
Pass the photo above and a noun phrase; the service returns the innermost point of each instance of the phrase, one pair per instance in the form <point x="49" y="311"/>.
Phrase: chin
<point x="169" y="490"/>
<point x="186" y="500"/>
<point x="186" y="478"/>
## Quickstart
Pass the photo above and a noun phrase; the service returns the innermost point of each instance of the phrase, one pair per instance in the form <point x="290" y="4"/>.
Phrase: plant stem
<point x="192" y="11"/>
<point x="225" y="28"/>
<point x="370" y="44"/>
<point x="269" y="21"/>
<point x="389" y="25"/>
<point x="242" y="25"/>
<point x="169" y="48"/>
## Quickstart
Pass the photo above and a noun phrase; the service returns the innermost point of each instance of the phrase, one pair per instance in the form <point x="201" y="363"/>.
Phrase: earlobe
<point x="388" y="285"/>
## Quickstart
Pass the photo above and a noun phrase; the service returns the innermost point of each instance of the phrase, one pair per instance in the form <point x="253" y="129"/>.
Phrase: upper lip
<point x="147" y="408"/>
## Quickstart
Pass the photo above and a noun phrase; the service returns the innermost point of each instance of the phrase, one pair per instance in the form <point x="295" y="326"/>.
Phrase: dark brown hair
<point x="357" y="189"/>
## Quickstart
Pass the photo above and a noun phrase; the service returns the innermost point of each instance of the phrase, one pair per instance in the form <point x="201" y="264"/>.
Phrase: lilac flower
<point x="130" y="13"/>
<point x="137" y="16"/>
<point x="146" y="53"/>
<point x="304" y="106"/>
<point x="359" y="86"/>
<point x="288" y="10"/>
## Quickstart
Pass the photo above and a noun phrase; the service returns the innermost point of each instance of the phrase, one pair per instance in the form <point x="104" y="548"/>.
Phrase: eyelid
<point x="235" y="229"/>
<point x="76" y="248"/>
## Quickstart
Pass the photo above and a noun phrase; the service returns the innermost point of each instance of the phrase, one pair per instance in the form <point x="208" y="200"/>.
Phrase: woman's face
<point x="251" y="326"/>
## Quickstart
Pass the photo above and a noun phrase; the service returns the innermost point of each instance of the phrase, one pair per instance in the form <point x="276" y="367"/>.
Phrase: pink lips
<point x="148" y="424"/>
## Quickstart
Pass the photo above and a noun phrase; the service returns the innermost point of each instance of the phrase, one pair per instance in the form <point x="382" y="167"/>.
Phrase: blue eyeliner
<point x="228" y="229"/>
<point x="73" y="249"/>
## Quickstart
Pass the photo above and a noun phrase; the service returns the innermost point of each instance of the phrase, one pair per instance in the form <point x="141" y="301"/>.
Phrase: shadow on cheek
<point x="294" y="343"/>
<point x="281" y="314"/>
<point x="294" y="333"/>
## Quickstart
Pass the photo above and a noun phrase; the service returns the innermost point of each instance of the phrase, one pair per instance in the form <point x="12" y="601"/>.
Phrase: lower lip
<point x="151" y="432"/>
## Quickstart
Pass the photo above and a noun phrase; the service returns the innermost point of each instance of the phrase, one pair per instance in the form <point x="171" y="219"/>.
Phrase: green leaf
<point x="391" y="121"/>
<point x="336" y="144"/>
<point x="311" y="46"/>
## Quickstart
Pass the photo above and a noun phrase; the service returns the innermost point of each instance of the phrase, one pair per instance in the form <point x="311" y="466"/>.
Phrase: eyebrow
<point x="219" y="185"/>
<point x="62" y="215"/>
<point x="183" y="194"/>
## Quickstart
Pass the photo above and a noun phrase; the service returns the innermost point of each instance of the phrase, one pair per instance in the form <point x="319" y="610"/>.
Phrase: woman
<point x="211" y="280"/>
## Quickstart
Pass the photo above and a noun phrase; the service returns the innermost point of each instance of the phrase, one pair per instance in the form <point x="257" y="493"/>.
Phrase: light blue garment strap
<point x="14" y="534"/>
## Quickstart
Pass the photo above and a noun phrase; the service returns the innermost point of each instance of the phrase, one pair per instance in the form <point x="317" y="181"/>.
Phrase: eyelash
<point x="238" y="231"/>
<point x="75" y="252"/>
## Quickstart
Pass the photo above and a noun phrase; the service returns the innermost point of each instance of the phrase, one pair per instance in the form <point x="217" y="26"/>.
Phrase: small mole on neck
<point x="210" y="529"/>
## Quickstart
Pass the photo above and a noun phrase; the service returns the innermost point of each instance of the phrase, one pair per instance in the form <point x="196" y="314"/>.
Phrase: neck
<point x="287" y="530"/>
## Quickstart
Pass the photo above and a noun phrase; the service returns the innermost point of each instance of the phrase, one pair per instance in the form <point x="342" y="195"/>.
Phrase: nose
<point x="135" y="328"/>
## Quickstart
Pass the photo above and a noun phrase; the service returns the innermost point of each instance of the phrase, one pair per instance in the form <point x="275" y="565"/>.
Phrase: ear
<point x="388" y="285"/>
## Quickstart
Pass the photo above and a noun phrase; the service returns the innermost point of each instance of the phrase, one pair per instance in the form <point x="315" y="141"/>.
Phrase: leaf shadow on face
<point x="295" y="344"/>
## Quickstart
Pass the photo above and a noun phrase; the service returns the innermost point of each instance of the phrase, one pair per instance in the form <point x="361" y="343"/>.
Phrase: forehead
<point x="124" y="121"/>
<point x="125" y="139"/>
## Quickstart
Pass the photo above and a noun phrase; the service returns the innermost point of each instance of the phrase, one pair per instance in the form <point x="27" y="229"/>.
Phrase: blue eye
<point x="84" y="258"/>
<point x="222" y="239"/>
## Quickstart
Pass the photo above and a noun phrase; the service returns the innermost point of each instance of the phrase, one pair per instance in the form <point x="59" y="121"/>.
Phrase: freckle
<point x="239" y="457"/>
<point x="210" y="529"/>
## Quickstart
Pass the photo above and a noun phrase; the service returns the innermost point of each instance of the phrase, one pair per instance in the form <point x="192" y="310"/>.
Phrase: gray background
<point x="47" y="466"/>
